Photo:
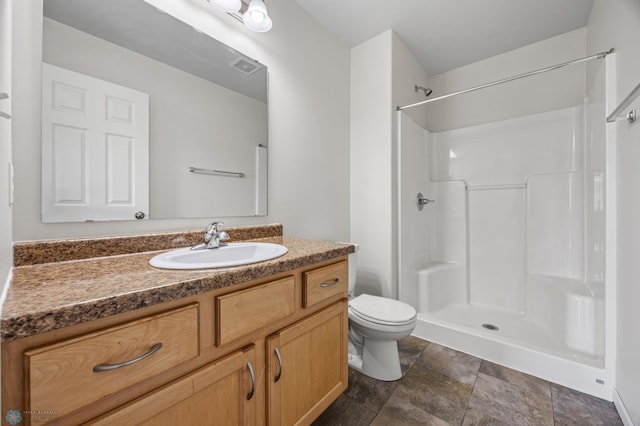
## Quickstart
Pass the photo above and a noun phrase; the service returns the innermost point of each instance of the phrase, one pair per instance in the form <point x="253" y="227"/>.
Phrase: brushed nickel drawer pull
<point x="108" y="367"/>
<point x="275" y="380"/>
<point x="253" y="381"/>
<point x="330" y="283"/>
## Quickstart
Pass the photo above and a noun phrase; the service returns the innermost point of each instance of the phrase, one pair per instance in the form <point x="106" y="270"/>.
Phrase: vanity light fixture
<point x="228" y="6"/>
<point x="254" y="15"/>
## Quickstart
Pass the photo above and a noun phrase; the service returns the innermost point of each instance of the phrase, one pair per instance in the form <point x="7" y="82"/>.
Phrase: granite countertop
<point x="50" y="296"/>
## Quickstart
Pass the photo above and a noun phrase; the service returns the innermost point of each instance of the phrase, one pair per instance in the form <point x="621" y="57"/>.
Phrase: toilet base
<point x="379" y="360"/>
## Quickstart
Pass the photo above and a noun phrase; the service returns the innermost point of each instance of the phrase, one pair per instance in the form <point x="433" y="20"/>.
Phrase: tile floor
<point x="441" y="386"/>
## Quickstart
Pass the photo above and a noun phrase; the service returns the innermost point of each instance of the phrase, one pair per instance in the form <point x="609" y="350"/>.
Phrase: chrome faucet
<point x="213" y="238"/>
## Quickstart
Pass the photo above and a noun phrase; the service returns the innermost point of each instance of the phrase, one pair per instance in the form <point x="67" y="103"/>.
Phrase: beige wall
<point x="407" y="72"/>
<point x="6" y="252"/>
<point x="308" y="123"/>
<point x="370" y="168"/>
<point x="617" y="24"/>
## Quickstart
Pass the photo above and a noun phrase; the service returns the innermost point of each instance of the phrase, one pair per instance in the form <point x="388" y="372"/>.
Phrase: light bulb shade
<point x="256" y="17"/>
<point x="228" y="6"/>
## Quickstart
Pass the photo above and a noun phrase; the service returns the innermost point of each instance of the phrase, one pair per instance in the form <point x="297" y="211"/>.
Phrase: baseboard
<point x="622" y="410"/>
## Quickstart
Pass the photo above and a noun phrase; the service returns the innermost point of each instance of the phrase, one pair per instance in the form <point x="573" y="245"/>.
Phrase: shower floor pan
<point x="517" y="343"/>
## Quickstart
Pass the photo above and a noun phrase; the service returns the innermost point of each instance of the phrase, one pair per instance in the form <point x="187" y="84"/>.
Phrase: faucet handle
<point x="213" y="226"/>
<point x="211" y="230"/>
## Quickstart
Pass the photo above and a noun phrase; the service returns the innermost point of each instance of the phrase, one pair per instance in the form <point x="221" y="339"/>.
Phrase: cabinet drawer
<point x="249" y="310"/>
<point x="322" y="283"/>
<point x="220" y="393"/>
<point x="61" y="376"/>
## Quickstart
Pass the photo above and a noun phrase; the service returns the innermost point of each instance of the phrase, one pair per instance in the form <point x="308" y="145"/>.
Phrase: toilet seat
<point x="382" y="310"/>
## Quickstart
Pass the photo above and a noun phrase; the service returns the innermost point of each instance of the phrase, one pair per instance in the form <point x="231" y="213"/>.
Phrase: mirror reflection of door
<point x="95" y="148"/>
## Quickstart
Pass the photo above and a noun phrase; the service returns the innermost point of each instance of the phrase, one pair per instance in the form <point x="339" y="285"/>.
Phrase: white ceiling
<point x="446" y="34"/>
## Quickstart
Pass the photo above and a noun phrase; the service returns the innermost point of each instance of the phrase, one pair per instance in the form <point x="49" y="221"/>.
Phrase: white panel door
<point x="95" y="148"/>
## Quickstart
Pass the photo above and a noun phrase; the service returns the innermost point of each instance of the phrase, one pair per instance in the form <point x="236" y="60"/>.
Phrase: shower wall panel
<point x="510" y="201"/>
<point x="506" y="152"/>
<point x="448" y="222"/>
<point x="555" y="225"/>
<point x="595" y="176"/>
<point x="497" y="248"/>
<point x="414" y="234"/>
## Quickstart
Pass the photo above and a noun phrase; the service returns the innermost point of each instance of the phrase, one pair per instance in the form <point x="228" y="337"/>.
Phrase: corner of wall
<point x="6" y="210"/>
<point x="371" y="201"/>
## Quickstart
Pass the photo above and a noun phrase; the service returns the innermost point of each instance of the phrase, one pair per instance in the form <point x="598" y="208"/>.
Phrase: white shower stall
<point x="509" y="262"/>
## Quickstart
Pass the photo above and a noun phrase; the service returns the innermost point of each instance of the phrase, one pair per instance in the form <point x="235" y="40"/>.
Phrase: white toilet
<point x="375" y="325"/>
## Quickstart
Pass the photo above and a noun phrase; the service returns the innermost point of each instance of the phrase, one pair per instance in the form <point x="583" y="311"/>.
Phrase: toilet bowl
<point x="375" y="325"/>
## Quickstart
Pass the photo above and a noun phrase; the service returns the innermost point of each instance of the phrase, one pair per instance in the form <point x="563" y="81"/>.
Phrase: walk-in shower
<point x="508" y="262"/>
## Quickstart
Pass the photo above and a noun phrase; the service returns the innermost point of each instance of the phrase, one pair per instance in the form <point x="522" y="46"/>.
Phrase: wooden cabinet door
<point x="307" y="366"/>
<point x="220" y="393"/>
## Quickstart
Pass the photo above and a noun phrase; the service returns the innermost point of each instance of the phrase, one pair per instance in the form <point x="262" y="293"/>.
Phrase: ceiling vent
<point x="245" y="66"/>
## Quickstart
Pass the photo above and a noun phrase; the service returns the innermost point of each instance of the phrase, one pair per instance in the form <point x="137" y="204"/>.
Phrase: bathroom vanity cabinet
<point x="267" y="351"/>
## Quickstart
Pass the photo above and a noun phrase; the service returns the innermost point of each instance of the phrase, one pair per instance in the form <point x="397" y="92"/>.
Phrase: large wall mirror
<point x="120" y="75"/>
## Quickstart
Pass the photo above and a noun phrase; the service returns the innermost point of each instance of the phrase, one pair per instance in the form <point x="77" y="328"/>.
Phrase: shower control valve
<point x="423" y="201"/>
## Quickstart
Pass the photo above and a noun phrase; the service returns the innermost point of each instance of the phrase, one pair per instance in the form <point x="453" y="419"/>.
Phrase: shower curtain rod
<point x="506" y="80"/>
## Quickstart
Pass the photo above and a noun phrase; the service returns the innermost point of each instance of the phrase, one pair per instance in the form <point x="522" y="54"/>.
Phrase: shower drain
<point x="490" y="327"/>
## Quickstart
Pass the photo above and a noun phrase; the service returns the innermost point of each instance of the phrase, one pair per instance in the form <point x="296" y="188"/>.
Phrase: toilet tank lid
<point x="382" y="308"/>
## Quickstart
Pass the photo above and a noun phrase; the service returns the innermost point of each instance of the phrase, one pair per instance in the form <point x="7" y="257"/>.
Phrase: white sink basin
<point x="234" y="254"/>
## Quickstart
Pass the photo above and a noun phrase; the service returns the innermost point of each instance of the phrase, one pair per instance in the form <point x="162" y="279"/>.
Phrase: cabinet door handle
<point x="275" y="380"/>
<point x="108" y="367"/>
<point x="253" y="381"/>
<point x="330" y="283"/>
